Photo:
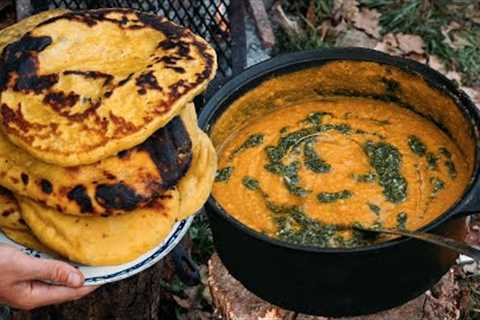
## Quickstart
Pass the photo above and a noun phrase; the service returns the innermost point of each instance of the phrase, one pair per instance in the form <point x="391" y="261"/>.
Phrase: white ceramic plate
<point x="102" y="275"/>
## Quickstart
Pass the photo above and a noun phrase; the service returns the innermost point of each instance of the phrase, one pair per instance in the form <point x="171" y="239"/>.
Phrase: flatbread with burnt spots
<point x="115" y="185"/>
<point x="83" y="86"/>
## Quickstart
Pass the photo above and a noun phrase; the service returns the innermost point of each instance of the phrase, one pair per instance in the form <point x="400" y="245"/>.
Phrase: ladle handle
<point x="458" y="246"/>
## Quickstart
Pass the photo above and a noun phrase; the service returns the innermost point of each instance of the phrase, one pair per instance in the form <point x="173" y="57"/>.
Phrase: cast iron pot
<point x="337" y="282"/>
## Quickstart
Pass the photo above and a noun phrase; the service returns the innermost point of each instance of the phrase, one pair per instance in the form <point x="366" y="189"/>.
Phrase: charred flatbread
<point x="26" y="239"/>
<point x="16" y="31"/>
<point x="196" y="186"/>
<point x="73" y="93"/>
<point x="103" y="240"/>
<point x="119" y="184"/>
<point x="9" y="212"/>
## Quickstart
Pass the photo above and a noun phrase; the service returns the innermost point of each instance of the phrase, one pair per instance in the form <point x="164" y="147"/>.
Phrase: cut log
<point x="232" y="301"/>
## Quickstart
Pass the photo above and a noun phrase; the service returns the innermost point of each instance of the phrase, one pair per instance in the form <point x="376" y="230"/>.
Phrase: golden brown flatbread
<point x="103" y="240"/>
<point x="12" y="224"/>
<point x="16" y="31"/>
<point x="196" y="186"/>
<point x="115" y="185"/>
<point x="9" y="212"/>
<point x="26" y="239"/>
<point x="73" y="93"/>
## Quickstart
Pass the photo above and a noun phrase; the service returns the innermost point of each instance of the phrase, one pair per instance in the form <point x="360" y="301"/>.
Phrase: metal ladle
<point x="455" y="245"/>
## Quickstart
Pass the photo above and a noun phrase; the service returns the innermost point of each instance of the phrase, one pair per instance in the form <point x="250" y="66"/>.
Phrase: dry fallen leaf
<point x="422" y="58"/>
<point x="473" y="13"/>
<point x="410" y="43"/>
<point x="355" y="38"/>
<point x="389" y="44"/>
<point x="345" y="9"/>
<point x="453" y="75"/>
<point x="453" y="36"/>
<point x="289" y="24"/>
<point x="437" y="64"/>
<point x="368" y="20"/>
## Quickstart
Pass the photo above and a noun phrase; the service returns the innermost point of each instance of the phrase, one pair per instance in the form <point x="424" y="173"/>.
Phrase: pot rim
<point x="305" y="59"/>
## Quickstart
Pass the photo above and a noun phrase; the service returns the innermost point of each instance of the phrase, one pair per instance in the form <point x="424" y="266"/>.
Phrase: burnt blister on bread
<point x="20" y="59"/>
<point x="80" y="196"/>
<point x="169" y="148"/>
<point x="117" y="196"/>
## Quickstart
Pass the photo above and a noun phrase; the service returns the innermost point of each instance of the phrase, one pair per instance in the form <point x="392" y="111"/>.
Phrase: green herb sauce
<point x="437" y="185"/>
<point x="417" y="146"/>
<point x="386" y="160"/>
<point x="252" y="141"/>
<point x="374" y="208"/>
<point x="276" y="153"/>
<point x="290" y="176"/>
<point x="402" y="220"/>
<point x="432" y="161"/>
<point x="327" y="197"/>
<point x="316" y="118"/>
<point x="365" y="178"/>
<point x="312" y="160"/>
<point x="251" y="183"/>
<point x="223" y="174"/>
<point x="452" y="170"/>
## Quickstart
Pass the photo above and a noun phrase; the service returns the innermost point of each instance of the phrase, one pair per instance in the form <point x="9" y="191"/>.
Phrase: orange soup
<point x="306" y="172"/>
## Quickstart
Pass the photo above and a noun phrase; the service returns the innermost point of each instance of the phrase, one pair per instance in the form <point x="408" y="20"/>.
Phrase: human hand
<point x="21" y="286"/>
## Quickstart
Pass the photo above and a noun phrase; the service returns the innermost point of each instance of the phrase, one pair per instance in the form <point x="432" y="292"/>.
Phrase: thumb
<point x="55" y="271"/>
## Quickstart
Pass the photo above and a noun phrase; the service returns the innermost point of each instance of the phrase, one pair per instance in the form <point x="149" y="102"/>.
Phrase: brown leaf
<point x="338" y="29"/>
<point x="289" y="24"/>
<point x="368" y="21"/>
<point x="410" y="43"/>
<point x="389" y="44"/>
<point x="455" y="76"/>
<point x="454" y="36"/>
<point x="345" y="10"/>
<point x="312" y="13"/>
<point x="355" y="38"/>
<point x="422" y="58"/>
<point x="437" y="64"/>
<point x="473" y="13"/>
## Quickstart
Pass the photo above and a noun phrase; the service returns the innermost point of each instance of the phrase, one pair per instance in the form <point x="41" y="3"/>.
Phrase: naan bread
<point x="12" y="224"/>
<point x="84" y="86"/>
<point x="114" y="185"/>
<point x="26" y="239"/>
<point x="103" y="241"/>
<point x="9" y="212"/>
<point x="16" y="31"/>
<point x="196" y="186"/>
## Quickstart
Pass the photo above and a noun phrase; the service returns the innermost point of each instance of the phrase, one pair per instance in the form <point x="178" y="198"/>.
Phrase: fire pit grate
<point x="211" y="19"/>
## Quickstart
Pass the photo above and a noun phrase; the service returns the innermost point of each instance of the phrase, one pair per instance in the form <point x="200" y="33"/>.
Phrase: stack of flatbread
<point x="100" y="152"/>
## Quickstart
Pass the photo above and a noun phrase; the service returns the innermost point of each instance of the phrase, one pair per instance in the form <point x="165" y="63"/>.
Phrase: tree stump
<point x="233" y="302"/>
<point x="143" y="296"/>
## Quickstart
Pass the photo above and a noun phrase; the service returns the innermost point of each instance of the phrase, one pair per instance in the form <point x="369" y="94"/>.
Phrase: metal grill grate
<point x="207" y="18"/>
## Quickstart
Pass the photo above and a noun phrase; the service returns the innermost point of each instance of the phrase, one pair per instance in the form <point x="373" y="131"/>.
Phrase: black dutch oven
<point x="340" y="282"/>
